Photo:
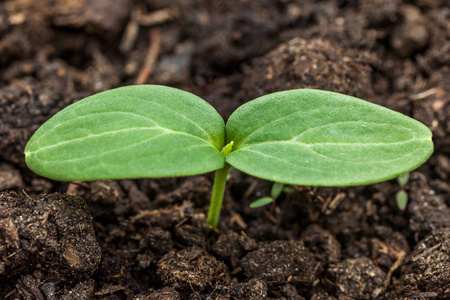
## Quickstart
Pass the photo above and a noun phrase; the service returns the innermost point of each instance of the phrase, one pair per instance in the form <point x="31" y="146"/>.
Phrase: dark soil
<point x="145" y="239"/>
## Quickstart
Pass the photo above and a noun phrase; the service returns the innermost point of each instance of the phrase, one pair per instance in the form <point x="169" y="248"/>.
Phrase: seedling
<point x="302" y="137"/>
<point x="402" y="197"/>
<point x="275" y="192"/>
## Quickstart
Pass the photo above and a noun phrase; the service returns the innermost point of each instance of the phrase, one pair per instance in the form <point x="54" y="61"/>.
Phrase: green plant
<point x="277" y="189"/>
<point x="302" y="137"/>
<point x="402" y="197"/>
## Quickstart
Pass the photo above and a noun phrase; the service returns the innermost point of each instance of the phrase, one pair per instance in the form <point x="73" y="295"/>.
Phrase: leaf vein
<point x="129" y="129"/>
<point x="181" y="115"/>
<point x="276" y="120"/>
<point x="157" y="126"/>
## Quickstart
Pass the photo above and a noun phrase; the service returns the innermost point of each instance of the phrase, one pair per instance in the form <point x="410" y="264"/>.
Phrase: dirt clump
<point x="51" y="235"/>
<point x="281" y="262"/>
<point x="148" y="238"/>
<point x="426" y="270"/>
<point x="192" y="268"/>
<point x="428" y="210"/>
<point x="358" y="278"/>
<point x="311" y="63"/>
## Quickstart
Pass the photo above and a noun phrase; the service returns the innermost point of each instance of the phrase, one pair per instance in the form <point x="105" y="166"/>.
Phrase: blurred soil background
<point x="144" y="239"/>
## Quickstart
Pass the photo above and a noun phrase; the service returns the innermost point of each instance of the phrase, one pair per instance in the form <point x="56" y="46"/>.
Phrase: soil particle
<point x="411" y="35"/>
<point x="100" y="17"/>
<point x="165" y="218"/>
<point x="388" y="247"/>
<point x="166" y="293"/>
<point x="157" y="239"/>
<point x="254" y="289"/>
<point x="358" y="278"/>
<point x="196" y="190"/>
<point x="322" y="243"/>
<point x="28" y="31"/>
<point x="232" y="31"/>
<point x="287" y="292"/>
<point x="105" y="197"/>
<point x="353" y="212"/>
<point x="232" y="246"/>
<point x="183" y="222"/>
<point x="379" y="13"/>
<point x="322" y="296"/>
<point x="10" y="178"/>
<point x="192" y="269"/>
<point x="193" y="231"/>
<point x="313" y="63"/>
<point x="28" y="288"/>
<point x="82" y="291"/>
<point x="175" y="67"/>
<point x="54" y="53"/>
<point x="115" y="273"/>
<point x="51" y="234"/>
<point x="427" y="209"/>
<point x="281" y="262"/>
<point x="427" y="269"/>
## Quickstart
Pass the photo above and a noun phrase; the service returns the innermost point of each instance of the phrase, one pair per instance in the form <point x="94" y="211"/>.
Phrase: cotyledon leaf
<point x="129" y="132"/>
<point x="312" y="137"/>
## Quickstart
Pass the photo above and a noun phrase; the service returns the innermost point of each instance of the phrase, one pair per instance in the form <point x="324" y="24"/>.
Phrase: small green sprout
<point x="402" y="197"/>
<point x="302" y="137"/>
<point x="277" y="188"/>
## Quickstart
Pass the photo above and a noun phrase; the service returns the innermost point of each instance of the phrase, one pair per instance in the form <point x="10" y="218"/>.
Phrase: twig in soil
<point x="139" y="19"/>
<point x="424" y="94"/>
<point x="151" y="57"/>
<point x="236" y="218"/>
<point x="249" y="191"/>
<point x="130" y="34"/>
<point x="158" y="17"/>
<point x="236" y="271"/>
<point x="400" y="257"/>
<point x="331" y="203"/>
<point x="72" y="189"/>
<point x="271" y="217"/>
<point x="25" y="193"/>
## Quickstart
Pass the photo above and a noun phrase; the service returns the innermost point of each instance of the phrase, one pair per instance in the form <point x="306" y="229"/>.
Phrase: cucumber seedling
<point x="302" y="137"/>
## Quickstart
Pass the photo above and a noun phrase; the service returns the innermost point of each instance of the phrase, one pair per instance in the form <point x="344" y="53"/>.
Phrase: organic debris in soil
<point x="318" y="243"/>
<point x="50" y="237"/>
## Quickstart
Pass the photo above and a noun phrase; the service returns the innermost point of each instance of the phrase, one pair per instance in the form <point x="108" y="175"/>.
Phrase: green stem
<point x="220" y="180"/>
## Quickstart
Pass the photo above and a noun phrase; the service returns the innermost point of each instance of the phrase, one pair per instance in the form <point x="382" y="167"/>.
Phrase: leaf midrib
<point x="119" y="149"/>
<point x="157" y="127"/>
<point x="310" y="147"/>
<point x="327" y="171"/>
<point x="293" y="140"/>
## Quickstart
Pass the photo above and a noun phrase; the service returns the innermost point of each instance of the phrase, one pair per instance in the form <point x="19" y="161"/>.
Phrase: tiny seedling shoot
<point x="275" y="192"/>
<point x="302" y="137"/>
<point x="402" y="197"/>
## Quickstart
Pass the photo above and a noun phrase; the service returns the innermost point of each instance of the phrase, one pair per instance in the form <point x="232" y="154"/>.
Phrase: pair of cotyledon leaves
<point x="304" y="137"/>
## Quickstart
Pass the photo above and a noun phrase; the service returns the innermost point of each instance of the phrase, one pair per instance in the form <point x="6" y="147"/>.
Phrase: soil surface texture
<point x="146" y="239"/>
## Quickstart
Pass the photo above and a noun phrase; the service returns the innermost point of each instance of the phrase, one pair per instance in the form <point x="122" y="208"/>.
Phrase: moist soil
<point x="146" y="238"/>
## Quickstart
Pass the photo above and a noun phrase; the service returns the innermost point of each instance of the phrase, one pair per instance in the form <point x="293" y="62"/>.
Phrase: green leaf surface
<point x="402" y="200"/>
<point x="403" y="179"/>
<point x="277" y="188"/>
<point x="312" y="137"/>
<point x="129" y="132"/>
<point x="261" y="202"/>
